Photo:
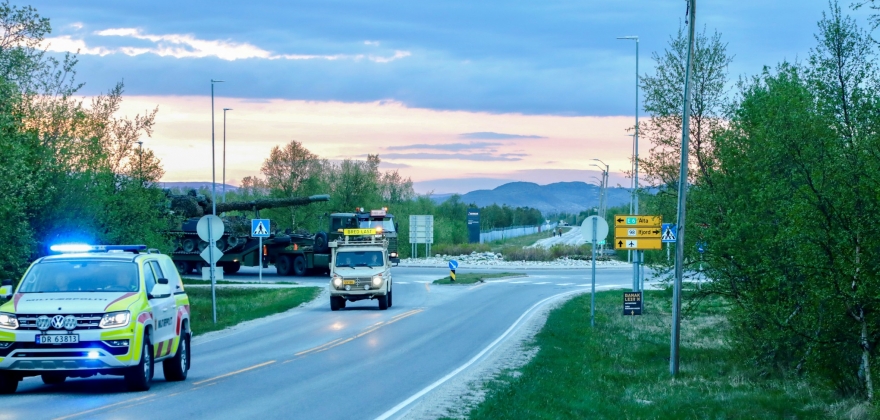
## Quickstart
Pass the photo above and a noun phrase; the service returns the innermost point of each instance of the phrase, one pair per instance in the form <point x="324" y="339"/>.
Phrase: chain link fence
<point x="513" y="231"/>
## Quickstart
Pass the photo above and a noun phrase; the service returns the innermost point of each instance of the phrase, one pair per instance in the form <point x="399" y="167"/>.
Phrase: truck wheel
<point x="231" y="268"/>
<point x="336" y="303"/>
<point x="283" y="265"/>
<point x="176" y="368"/>
<point x="137" y="378"/>
<point x="299" y="266"/>
<point x="8" y="382"/>
<point x="52" y="378"/>
<point x="321" y="243"/>
<point x="383" y="302"/>
<point x="183" y="267"/>
<point x="389" y="298"/>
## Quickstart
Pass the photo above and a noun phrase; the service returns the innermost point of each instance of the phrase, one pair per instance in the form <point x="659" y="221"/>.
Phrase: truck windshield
<point x="386" y="223"/>
<point x="81" y="276"/>
<point x="359" y="259"/>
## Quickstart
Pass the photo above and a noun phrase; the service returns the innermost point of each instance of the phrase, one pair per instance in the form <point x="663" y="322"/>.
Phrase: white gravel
<point x="492" y="260"/>
<point x="455" y="398"/>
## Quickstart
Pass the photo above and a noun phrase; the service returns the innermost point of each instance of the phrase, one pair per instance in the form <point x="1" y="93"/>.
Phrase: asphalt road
<point x="311" y="363"/>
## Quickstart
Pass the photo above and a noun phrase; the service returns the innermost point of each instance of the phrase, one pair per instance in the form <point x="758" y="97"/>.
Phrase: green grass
<point x="192" y="281"/>
<point x="471" y="278"/>
<point x="620" y="370"/>
<point x="235" y="305"/>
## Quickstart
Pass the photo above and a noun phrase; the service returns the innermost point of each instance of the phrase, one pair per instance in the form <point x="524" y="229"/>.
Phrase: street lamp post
<point x="224" y="152"/>
<point x="639" y="255"/>
<point x="605" y="191"/>
<point x="213" y="207"/>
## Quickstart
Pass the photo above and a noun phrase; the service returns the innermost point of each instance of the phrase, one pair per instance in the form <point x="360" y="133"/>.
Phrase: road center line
<point x="339" y="341"/>
<point x="225" y="375"/>
<point x="394" y="410"/>
<point x="81" y="413"/>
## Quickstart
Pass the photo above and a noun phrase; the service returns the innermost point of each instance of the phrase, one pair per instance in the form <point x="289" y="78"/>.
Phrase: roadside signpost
<point x="260" y="228"/>
<point x="209" y="228"/>
<point x="453" y="264"/>
<point x="637" y="232"/>
<point x="668" y="235"/>
<point x="594" y="228"/>
<point x="632" y="303"/>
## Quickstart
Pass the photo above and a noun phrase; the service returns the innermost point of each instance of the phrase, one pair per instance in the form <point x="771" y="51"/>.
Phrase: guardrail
<point x="513" y="232"/>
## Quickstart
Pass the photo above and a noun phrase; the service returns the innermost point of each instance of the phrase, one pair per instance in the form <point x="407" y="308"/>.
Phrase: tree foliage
<point x="73" y="171"/>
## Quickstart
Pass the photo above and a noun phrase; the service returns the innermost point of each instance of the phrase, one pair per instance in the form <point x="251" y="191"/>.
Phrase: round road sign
<point x="212" y="225"/>
<point x="601" y="229"/>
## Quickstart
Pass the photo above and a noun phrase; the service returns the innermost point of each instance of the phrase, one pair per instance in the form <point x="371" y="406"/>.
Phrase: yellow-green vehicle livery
<point x="95" y="310"/>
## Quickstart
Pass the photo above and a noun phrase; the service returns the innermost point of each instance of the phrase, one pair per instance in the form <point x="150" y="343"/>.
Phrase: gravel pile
<point x="491" y="260"/>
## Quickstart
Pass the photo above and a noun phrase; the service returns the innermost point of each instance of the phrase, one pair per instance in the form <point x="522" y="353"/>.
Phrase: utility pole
<point x="224" y="153"/>
<point x="674" y="356"/>
<point x="637" y="255"/>
<point x="213" y="207"/>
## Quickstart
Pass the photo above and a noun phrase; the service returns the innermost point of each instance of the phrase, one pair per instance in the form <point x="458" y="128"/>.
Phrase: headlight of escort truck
<point x="8" y="321"/>
<point x="337" y="282"/>
<point x="115" y="319"/>
<point x="377" y="280"/>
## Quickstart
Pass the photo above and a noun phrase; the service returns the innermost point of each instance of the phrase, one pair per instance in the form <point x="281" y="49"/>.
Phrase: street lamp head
<point x="227" y="109"/>
<point x="633" y="37"/>
<point x="217" y="81"/>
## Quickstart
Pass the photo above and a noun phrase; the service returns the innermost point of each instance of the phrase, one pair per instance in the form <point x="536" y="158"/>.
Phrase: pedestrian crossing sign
<point x="260" y="228"/>
<point x="669" y="233"/>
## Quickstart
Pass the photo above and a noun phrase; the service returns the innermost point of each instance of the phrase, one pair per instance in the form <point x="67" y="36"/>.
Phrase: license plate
<point x="348" y="282"/>
<point x="58" y="339"/>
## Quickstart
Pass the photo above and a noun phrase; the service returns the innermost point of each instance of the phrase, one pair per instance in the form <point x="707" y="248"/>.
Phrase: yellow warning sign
<point x="354" y="232"/>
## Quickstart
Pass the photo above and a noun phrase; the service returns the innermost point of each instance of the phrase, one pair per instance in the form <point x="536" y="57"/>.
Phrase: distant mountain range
<point x="568" y="197"/>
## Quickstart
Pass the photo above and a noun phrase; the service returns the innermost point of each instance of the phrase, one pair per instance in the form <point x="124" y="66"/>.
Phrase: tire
<point x="183" y="267"/>
<point x="177" y="367"/>
<point x="138" y="377"/>
<point x="321" y="243"/>
<point x="8" y="383"/>
<point x="299" y="266"/>
<point x="383" y="302"/>
<point x="336" y="303"/>
<point x="221" y="244"/>
<point x="231" y="268"/>
<point x="202" y="245"/>
<point x="283" y="265"/>
<point x="53" y="378"/>
<point x="390" y="294"/>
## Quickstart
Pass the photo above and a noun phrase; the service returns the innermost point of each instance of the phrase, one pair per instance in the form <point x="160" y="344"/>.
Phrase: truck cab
<point x="360" y="269"/>
<point x="384" y="223"/>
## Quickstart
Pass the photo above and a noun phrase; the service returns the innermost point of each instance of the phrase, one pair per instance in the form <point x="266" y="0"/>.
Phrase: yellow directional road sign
<point x="638" y="244"/>
<point x="635" y="232"/>
<point x="636" y="220"/>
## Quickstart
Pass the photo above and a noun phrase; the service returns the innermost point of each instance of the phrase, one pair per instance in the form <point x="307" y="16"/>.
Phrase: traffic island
<point x="237" y="305"/>
<point x="471" y="278"/>
<point x="620" y="369"/>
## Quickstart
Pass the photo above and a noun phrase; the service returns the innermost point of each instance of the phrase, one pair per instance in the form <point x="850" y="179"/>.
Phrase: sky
<point x="458" y="95"/>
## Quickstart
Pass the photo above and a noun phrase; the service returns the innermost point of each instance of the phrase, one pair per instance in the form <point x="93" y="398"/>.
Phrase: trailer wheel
<point x="283" y="265"/>
<point x="299" y="266"/>
<point x="231" y="268"/>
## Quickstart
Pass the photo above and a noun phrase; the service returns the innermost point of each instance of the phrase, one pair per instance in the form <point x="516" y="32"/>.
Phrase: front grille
<point x="83" y="321"/>
<point x="361" y="284"/>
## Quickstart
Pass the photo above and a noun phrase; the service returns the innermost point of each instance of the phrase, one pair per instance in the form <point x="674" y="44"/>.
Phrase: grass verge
<point x="620" y="369"/>
<point x="471" y="278"/>
<point x="192" y="281"/>
<point x="239" y="304"/>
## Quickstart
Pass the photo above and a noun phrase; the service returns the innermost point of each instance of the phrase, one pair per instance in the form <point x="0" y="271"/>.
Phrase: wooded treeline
<point x="784" y="187"/>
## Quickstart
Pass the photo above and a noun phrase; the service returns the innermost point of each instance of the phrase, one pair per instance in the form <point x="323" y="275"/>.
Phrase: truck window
<point x="359" y="259"/>
<point x="387" y="224"/>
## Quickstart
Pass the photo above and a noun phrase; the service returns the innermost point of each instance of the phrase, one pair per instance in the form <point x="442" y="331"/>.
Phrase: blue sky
<point x="456" y="94"/>
<point x="532" y="57"/>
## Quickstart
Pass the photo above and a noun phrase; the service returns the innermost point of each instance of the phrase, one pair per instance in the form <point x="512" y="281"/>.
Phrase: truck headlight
<point x="377" y="280"/>
<point x="8" y="321"/>
<point x="337" y="282"/>
<point x="393" y="255"/>
<point x="115" y="319"/>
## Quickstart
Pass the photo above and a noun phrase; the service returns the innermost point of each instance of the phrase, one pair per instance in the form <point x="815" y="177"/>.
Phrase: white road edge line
<point x="488" y="348"/>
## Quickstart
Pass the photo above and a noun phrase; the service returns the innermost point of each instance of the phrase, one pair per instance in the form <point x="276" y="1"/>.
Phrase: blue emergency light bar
<point x="80" y="248"/>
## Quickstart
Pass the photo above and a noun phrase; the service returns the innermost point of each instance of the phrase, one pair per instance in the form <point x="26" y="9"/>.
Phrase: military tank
<point x="192" y="206"/>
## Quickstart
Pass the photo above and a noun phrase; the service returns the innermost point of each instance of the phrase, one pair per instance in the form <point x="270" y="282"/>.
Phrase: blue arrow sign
<point x="668" y="232"/>
<point x="260" y="228"/>
<point x="453" y="264"/>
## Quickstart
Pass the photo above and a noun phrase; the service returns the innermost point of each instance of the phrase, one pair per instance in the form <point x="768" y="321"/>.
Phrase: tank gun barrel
<point x="269" y="203"/>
